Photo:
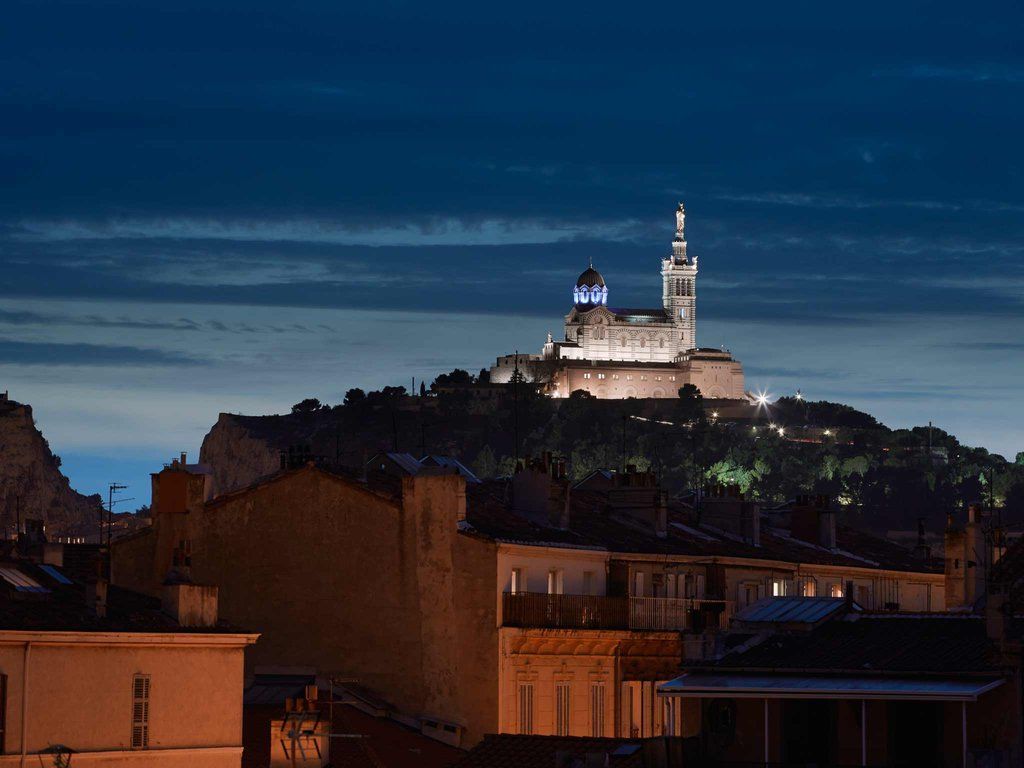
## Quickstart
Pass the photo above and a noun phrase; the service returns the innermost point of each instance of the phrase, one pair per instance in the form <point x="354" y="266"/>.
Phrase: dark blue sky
<point x="230" y="208"/>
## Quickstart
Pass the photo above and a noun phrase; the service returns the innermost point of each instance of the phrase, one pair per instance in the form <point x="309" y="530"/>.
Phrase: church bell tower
<point x="679" y="287"/>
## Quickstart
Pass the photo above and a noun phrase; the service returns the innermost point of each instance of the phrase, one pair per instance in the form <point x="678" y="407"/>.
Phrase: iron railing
<point x="541" y="610"/>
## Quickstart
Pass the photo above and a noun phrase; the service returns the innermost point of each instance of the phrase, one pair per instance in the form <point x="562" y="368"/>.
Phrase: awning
<point x="740" y="686"/>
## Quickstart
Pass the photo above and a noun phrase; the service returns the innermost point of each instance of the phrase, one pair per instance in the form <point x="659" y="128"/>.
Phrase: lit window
<point x="808" y="588"/>
<point x="657" y="378"/>
<point x="140" y="711"/>
<point x="518" y="583"/>
<point x="562" y="708"/>
<point x="615" y="376"/>
<point x="671" y="378"/>
<point x="586" y="375"/>
<point x="629" y="377"/>
<point x="600" y="375"/>
<point x="555" y="581"/>
<point x="779" y="588"/>
<point x="836" y="590"/>
<point x="682" y="313"/>
<point x="643" y="378"/>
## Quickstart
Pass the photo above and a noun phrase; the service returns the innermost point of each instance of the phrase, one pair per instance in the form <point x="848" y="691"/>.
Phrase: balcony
<point x="656" y="614"/>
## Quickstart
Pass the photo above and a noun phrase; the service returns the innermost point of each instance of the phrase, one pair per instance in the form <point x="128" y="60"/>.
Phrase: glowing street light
<point x="761" y="398"/>
<point x="782" y="431"/>
<point x="828" y="433"/>
<point x="799" y="395"/>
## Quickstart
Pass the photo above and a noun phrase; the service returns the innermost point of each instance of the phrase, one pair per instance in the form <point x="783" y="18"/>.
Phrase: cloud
<point x="53" y="354"/>
<point x="980" y="73"/>
<point x="424" y="232"/>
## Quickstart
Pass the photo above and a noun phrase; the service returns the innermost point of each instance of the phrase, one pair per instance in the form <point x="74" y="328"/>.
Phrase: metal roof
<point x="710" y="686"/>
<point x="808" y="610"/>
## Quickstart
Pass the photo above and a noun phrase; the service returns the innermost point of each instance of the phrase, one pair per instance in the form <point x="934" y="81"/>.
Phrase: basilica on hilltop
<point x="615" y="352"/>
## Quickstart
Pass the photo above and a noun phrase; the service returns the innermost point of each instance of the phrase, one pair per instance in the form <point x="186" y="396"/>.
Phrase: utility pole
<point x="114" y="488"/>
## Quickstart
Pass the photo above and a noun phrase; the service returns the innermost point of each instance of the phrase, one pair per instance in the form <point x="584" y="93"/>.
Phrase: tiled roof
<point x="517" y="751"/>
<point x="864" y="643"/>
<point x="489" y="514"/>
<point x="63" y="608"/>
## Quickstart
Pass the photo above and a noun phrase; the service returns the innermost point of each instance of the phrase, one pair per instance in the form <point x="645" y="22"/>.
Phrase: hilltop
<point x="31" y="483"/>
<point x="885" y="479"/>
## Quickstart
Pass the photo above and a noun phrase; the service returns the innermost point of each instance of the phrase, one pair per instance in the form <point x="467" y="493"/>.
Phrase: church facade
<point x="628" y="352"/>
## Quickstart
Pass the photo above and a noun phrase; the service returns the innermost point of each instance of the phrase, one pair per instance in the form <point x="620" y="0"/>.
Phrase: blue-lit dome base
<point x="590" y="296"/>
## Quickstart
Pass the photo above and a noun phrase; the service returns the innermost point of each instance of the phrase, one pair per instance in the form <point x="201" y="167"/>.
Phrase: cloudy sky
<point x="224" y="206"/>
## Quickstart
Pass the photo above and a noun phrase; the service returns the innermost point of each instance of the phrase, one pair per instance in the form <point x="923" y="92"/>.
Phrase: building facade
<point x="518" y="606"/>
<point x="108" y="677"/>
<point x="610" y="351"/>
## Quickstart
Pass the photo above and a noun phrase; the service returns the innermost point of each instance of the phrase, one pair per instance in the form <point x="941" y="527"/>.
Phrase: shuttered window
<point x="526" y="708"/>
<point x="140" y="712"/>
<point x="562" y="708"/>
<point x="597" y="709"/>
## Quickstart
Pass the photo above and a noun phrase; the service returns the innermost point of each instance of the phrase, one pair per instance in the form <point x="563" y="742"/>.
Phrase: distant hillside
<point x="886" y="479"/>
<point x="31" y="483"/>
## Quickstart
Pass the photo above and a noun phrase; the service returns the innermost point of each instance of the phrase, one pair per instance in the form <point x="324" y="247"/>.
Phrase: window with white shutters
<point x="562" y="708"/>
<point x="526" y="708"/>
<point x="140" y="711"/>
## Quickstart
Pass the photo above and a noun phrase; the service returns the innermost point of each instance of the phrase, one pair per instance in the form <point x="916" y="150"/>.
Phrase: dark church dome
<point x="590" y="278"/>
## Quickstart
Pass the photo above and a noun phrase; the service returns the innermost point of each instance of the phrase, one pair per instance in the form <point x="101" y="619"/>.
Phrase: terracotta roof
<point x="489" y="514"/>
<point x="867" y="643"/>
<point x="62" y="607"/>
<point x="517" y="751"/>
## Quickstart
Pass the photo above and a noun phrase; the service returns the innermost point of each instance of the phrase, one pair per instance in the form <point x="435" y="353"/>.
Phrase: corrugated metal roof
<point x="702" y="685"/>
<point x="406" y="461"/>
<point x="809" y="610"/>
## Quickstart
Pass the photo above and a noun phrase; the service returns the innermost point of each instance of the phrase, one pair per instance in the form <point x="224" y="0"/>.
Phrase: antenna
<point x="111" y="501"/>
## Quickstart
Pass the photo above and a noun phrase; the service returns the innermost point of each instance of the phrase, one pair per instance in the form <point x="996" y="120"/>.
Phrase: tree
<point x="309" y="405"/>
<point x="354" y="397"/>
<point x="484" y="465"/>
<point x="690" y="406"/>
<point x="457" y="378"/>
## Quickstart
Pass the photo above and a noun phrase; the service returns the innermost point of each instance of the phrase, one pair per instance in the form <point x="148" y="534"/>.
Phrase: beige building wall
<point x="80" y="694"/>
<point x="341" y="579"/>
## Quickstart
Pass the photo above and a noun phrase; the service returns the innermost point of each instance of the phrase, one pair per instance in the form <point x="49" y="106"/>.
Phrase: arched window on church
<point x="623" y="340"/>
<point x="661" y="343"/>
<point x="643" y="342"/>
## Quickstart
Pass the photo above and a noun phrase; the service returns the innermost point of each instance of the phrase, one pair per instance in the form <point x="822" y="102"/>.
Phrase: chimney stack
<point x="191" y="605"/>
<point x="96" y="597"/>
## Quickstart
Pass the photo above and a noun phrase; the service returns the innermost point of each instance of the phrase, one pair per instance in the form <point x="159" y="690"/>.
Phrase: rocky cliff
<point x="240" y="450"/>
<point x="31" y="483"/>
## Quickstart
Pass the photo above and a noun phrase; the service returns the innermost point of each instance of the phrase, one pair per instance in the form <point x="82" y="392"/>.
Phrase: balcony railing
<point x="538" y="609"/>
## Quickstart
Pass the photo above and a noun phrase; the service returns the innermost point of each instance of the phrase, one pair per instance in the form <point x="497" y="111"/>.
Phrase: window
<point x="671" y="378"/>
<point x="779" y="588"/>
<point x="629" y="377"/>
<point x="643" y="378"/>
<point x="623" y="340"/>
<point x="555" y="576"/>
<point x="661" y="343"/>
<point x="682" y="313"/>
<point x="562" y="708"/>
<point x="836" y="590"/>
<point x="518" y="583"/>
<point x="638" y="584"/>
<point x="689" y="589"/>
<point x="643" y="342"/>
<point x="526" y="708"/>
<point x="588" y="582"/>
<point x="808" y="588"/>
<point x="657" y="378"/>
<point x="586" y="375"/>
<point x="600" y="375"/>
<point x="615" y="376"/>
<point x="864" y="596"/>
<point x="140" y="711"/>
<point x="597" y="709"/>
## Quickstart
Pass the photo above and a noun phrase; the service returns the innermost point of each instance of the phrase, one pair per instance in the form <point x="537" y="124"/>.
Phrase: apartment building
<point x="515" y="606"/>
<point x="104" y="676"/>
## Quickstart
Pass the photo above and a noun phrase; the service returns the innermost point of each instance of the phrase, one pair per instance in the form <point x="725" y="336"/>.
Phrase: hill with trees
<point x="885" y="479"/>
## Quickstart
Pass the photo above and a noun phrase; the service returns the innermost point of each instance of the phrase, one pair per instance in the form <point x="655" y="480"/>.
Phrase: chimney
<point x="661" y="516"/>
<point x="726" y="508"/>
<point x="96" y="597"/>
<point x="813" y="520"/>
<point x="540" y="492"/>
<point x="184" y="457"/>
<point x="955" y="564"/>
<point x="191" y="605"/>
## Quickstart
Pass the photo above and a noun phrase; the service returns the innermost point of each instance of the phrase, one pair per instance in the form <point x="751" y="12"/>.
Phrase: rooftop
<point x="517" y="751"/>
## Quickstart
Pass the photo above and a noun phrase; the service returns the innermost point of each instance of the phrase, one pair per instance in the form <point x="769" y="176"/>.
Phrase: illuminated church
<point x="624" y="352"/>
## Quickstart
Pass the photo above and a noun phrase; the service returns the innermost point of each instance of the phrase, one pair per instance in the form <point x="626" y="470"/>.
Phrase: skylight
<point x="20" y="581"/>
